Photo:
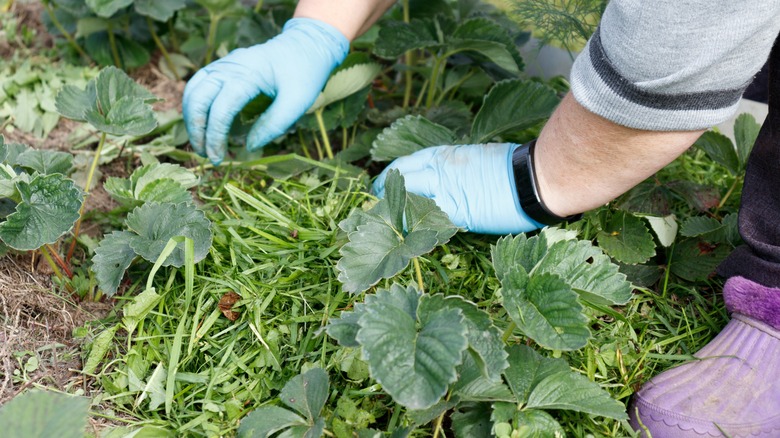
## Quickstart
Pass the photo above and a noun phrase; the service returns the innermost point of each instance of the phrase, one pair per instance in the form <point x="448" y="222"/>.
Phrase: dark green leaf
<point x="484" y="338"/>
<point x="112" y="258"/>
<point x="574" y="392"/>
<point x="626" y="238"/>
<point x="587" y="270"/>
<point x="545" y="308"/>
<point x="379" y="246"/>
<point x="156" y="223"/>
<point x="46" y="162"/>
<point x="344" y="328"/>
<point x="695" y="259"/>
<point x="396" y="37"/>
<point x="408" y="135"/>
<point x="511" y="106"/>
<point x="267" y="420"/>
<point x="484" y="29"/>
<point x="159" y="10"/>
<point x="120" y="189"/>
<point x="113" y="85"/>
<point x="527" y="368"/>
<point x="48" y="209"/>
<point x="131" y="53"/>
<point x="720" y="149"/>
<point x="415" y="366"/>
<point x="473" y="385"/>
<point x="307" y="393"/>
<point x="107" y="8"/>
<point x="532" y="423"/>
<point x="745" y="132"/>
<point x="472" y="420"/>
<point x="44" y="414"/>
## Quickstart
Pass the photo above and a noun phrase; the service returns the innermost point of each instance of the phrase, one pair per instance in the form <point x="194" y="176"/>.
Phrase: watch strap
<point x="527" y="187"/>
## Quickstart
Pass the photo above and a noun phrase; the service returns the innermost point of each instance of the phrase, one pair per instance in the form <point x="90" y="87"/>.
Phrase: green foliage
<point x="384" y="239"/>
<point x="150" y="227"/>
<point x="512" y="106"/>
<point x="45" y="202"/>
<point x="113" y="103"/>
<point x="156" y="182"/>
<point x="408" y="135"/>
<point x="306" y="394"/>
<point x="39" y="413"/>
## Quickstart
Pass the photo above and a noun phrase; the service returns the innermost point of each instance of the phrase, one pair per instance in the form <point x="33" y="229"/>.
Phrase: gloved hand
<point x="473" y="184"/>
<point x="291" y="68"/>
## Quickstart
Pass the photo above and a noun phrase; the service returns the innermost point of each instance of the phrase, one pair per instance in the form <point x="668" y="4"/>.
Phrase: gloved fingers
<point x="410" y="164"/>
<point x="224" y="109"/>
<point x="422" y="182"/>
<point x="198" y="96"/>
<point x="285" y="110"/>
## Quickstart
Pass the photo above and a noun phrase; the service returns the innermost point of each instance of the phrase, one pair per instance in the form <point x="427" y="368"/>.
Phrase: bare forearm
<point x="351" y="17"/>
<point x="584" y="160"/>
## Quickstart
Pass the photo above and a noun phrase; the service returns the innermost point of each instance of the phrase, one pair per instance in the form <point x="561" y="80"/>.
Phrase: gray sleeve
<point x="674" y="65"/>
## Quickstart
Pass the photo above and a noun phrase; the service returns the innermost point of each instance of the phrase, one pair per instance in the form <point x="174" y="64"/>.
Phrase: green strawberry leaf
<point x="158" y="10"/>
<point x="626" y="238"/>
<point x="48" y="209"/>
<point x="484" y="338"/>
<point x="527" y="368"/>
<point x="720" y="149"/>
<point x="127" y="116"/>
<point x="46" y="162"/>
<point x="379" y="246"/>
<point x="157" y="223"/>
<point x="408" y="135"/>
<point x="413" y="356"/>
<point x="267" y="420"/>
<point x="745" y="132"/>
<point x="112" y="258"/>
<point x="345" y="83"/>
<point x="107" y="8"/>
<point x="571" y="391"/>
<point x="545" y="309"/>
<point x="510" y="106"/>
<point x="72" y="102"/>
<point x="307" y="393"/>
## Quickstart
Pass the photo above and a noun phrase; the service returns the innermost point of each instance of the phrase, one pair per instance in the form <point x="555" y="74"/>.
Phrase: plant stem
<point x="112" y="43"/>
<point x="51" y="263"/>
<point x="440" y="420"/>
<point x="668" y="270"/>
<point x="417" y="269"/>
<point x="408" y="60"/>
<point x="68" y="36"/>
<point x="213" y="24"/>
<point x="90" y="175"/>
<point x="323" y="132"/>
<point x="61" y="263"/>
<point x="172" y="36"/>
<point x="162" y="48"/>
<point x="258" y="6"/>
<point x="434" y="83"/>
<point x="728" y="194"/>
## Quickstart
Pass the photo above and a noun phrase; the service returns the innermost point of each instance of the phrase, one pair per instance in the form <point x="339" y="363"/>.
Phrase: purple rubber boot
<point x="734" y="389"/>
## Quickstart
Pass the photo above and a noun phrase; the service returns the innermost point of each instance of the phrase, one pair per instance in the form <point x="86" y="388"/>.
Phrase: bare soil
<point x="36" y="330"/>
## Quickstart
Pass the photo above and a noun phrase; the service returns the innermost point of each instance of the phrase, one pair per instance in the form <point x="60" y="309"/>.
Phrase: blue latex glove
<point x="473" y="184"/>
<point x="292" y="68"/>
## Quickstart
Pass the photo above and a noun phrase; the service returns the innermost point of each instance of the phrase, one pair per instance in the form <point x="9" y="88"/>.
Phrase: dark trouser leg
<point x="759" y="216"/>
<point x="734" y="389"/>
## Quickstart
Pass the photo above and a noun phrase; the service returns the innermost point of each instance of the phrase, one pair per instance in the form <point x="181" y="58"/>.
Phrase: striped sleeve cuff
<point x="598" y="86"/>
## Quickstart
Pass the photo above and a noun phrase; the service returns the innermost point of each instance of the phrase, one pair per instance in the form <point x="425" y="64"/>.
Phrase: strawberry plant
<point x="40" y="203"/>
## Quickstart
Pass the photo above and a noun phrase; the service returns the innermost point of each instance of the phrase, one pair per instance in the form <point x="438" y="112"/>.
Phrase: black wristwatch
<point x="528" y="188"/>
